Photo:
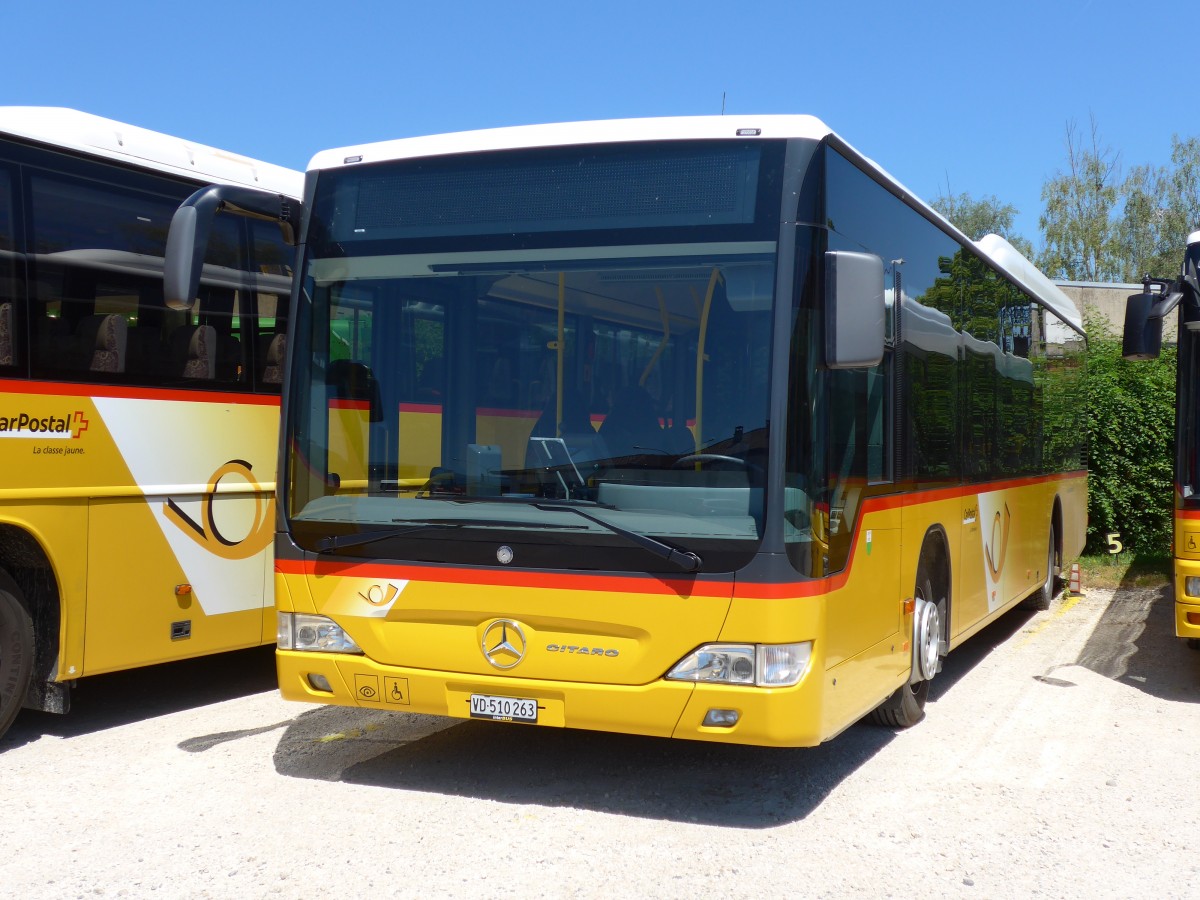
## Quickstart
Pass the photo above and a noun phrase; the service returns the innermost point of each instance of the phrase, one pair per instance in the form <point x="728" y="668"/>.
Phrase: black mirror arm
<point x="191" y="227"/>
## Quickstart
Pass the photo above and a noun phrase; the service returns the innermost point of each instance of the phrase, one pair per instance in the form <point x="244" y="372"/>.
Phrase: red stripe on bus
<point x="642" y="584"/>
<point x="56" y="389"/>
<point x="653" y="584"/>
<point x="498" y="413"/>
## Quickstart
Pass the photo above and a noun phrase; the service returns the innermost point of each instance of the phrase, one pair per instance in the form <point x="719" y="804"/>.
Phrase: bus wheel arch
<point x="905" y="707"/>
<point x="27" y="576"/>
<point x="1041" y="598"/>
<point x="16" y="650"/>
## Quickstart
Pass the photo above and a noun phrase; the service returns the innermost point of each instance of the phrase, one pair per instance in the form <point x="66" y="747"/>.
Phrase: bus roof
<point x="992" y="247"/>
<point x="1009" y="259"/>
<point x="563" y="134"/>
<point x="96" y="136"/>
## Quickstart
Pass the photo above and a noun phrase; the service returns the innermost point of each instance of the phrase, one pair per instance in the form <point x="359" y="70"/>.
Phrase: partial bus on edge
<point x="702" y="428"/>
<point x="1144" y="317"/>
<point x="137" y="442"/>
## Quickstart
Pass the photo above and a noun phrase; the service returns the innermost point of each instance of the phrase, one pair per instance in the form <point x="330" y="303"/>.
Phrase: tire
<point x="16" y="654"/>
<point x="906" y="706"/>
<point x="1044" y="596"/>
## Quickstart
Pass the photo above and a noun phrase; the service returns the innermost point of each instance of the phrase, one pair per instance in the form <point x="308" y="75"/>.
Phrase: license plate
<point x="503" y="709"/>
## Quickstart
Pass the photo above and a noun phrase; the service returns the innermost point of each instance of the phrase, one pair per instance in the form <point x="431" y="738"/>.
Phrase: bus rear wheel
<point x="906" y="706"/>
<point x="16" y="653"/>
<point x="1043" y="596"/>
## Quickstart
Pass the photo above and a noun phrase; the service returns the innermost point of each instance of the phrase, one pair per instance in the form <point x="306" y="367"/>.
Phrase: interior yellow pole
<point x="708" y="296"/>
<point x="560" y="346"/>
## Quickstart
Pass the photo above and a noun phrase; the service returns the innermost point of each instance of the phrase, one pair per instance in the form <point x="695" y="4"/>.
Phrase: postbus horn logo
<point x="1001" y="526"/>
<point x="207" y="532"/>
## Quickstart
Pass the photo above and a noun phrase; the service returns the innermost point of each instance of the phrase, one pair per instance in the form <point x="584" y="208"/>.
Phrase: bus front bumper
<point x="780" y="717"/>
<point x="1187" y="602"/>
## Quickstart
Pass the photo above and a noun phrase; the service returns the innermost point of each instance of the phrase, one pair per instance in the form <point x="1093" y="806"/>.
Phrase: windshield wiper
<point x="340" y="541"/>
<point x="686" y="560"/>
<point x="512" y="500"/>
<point x="337" y="542"/>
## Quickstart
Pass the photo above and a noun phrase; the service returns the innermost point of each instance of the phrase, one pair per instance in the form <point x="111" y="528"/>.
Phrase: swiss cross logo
<point x="79" y="424"/>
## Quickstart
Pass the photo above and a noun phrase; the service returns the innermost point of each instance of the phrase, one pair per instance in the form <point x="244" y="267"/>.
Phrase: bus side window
<point x="10" y="291"/>
<point x="7" y="351"/>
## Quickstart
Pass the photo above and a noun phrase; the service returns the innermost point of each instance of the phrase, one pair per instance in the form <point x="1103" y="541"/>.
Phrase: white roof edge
<point x="1194" y="238"/>
<point x="106" y="138"/>
<point x="1009" y="259"/>
<point x="602" y="131"/>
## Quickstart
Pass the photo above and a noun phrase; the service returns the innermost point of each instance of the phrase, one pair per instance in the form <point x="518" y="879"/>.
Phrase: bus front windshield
<point x="580" y="396"/>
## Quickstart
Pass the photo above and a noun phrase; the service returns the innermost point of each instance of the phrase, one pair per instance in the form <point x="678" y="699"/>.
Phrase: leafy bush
<point x="1131" y="436"/>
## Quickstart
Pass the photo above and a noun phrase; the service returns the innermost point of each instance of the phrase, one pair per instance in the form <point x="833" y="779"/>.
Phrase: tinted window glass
<point x="98" y="310"/>
<point x="11" y="289"/>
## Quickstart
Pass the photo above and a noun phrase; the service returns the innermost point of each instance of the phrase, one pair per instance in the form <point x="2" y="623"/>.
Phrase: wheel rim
<point x="1050" y="569"/>
<point x="928" y="638"/>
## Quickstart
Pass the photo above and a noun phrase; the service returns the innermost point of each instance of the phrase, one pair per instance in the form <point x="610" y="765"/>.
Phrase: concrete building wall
<point x="1108" y="301"/>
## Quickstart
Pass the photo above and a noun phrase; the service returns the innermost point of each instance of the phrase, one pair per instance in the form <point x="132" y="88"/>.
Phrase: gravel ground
<point x="1057" y="759"/>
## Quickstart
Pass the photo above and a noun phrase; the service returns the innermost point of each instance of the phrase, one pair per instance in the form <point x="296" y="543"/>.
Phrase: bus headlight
<point x="301" y="631"/>
<point x="764" y="665"/>
<point x="1191" y="586"/>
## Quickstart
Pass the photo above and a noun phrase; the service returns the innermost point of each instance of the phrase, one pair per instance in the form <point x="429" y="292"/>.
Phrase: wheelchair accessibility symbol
<point x="395" y="690"/>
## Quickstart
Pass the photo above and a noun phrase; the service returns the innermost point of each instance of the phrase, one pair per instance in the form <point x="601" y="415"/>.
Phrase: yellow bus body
<point x="1187" y="565"/>
<point x="422" y="628"/>
<point x="155" y="510"/>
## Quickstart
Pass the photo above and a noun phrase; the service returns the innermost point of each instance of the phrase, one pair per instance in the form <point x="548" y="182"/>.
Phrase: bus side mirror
<point x="854" y="310"/>
<point x="187" y="240"/>
<point x="1143" y="329"/>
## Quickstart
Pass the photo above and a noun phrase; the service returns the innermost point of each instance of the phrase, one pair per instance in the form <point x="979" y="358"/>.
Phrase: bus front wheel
<point x="906" y="706"/>
<point x="16" y="652"/>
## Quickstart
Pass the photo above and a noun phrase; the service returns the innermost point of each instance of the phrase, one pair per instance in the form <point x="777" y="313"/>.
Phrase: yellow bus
<point x="702" y="428"/>
<point x="137" y="442"/>
<point x="1144" y="316"/>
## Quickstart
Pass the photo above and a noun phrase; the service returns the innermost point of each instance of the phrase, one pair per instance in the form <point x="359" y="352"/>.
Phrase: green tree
<point x="1082" y="242"/>
<point x="975" y="218"/>
<point x="1142" y="232"/>
<point x="1161" y="208"/>
<point x="1131" y="433"/>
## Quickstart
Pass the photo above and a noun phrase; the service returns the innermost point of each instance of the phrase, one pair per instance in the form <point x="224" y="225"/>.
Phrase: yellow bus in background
<point x="1144" y="317"/>
<point x="137" y="442"/>
<point x="701" y="428"/>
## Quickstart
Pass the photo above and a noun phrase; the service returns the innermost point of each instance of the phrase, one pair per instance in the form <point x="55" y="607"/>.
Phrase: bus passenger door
<point x="864" y="531"/>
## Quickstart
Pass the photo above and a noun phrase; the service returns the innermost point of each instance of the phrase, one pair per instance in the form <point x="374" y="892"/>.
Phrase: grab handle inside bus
<point x="187" y="240"/>
<point x="854" y="310"/>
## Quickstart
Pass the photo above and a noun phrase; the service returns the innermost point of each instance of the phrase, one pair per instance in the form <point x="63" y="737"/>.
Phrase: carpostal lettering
<point x="25" y="423"/>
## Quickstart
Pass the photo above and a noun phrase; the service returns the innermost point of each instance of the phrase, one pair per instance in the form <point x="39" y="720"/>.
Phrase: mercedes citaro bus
<point x="701" y="427"/>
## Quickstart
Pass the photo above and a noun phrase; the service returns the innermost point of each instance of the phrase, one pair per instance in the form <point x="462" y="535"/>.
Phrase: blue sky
<point x="971" y="95"/>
